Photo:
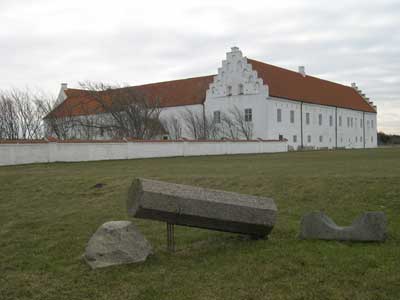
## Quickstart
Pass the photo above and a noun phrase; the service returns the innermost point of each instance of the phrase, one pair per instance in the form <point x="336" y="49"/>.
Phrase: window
<point x="240" y="89"/>
<point x="351" y="122"/>
<point x="320" y="119"/>
<point x="348" y="122"/>
<point x="356" y="139"/>
<point x="355" y="123"/>
<point x="331" y="121"/>
<point x="292" y="116"/>
<point x="217" y="116"/>
<point x="372" y="139"/>
<point x="360" y="138"/>
<point x="295" y="139"/>
<point x="279" y="115"/>
<point x="361" y="123"/>
<point x="248" y="115"/>
<point x="340" y="121"/>
<point x="372" y="123"/>
<point x="101" y="131"/>
<point x="320" y="138"/>
<point x="309" y="138"/>
<point x="367" y="123"/>
<point x="307" y="118"/>
<point x="280" y="137"/>
<point x="229" y="91"/>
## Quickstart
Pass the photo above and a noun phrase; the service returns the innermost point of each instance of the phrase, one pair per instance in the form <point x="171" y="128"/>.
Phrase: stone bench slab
<point x="199" y="207"/>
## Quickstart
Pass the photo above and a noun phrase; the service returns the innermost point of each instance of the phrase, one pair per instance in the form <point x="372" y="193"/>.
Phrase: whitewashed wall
<point x="25" y="153"/>
<point x="349" y="135"/>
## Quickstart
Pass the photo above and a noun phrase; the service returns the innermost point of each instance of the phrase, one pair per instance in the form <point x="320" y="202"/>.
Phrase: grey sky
<point x="44" y="42"/>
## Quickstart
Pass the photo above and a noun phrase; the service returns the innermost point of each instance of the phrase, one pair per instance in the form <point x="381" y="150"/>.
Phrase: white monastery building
<point x="278" y="104"/>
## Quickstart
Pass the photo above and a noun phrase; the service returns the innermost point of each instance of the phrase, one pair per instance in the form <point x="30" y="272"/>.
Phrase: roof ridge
<point x="148" y="84"/>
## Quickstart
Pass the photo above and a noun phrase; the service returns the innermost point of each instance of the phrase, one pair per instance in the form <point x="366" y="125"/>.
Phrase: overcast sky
<point x="44" y="43"/>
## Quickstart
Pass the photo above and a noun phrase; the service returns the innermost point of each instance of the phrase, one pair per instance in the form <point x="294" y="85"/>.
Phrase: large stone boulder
<point x="199" y="207"/>
<point x="369" y="227"/>
<point x="115" y="243"/>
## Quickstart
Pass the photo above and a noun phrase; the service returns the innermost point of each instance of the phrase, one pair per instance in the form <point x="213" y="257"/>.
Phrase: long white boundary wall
<point x="44" y="152"/>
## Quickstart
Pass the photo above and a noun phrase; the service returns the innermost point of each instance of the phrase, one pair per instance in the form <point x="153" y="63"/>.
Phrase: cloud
<point x="48" y="42"/>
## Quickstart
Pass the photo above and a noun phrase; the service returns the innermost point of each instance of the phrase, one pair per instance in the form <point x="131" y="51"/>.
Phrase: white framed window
<point x="367" y="123"/>
<point x="279" y="115"/>
<point x="308" y="118"/>
<point x="340" y="121"/>
<point x="248" y="115"/>
<point x="372" y="139"/>
<point x="309" y="138"/>
<point x="240" y="89"/>
<point x="331" y="120"/>
<point x="351" y="122"/>
<point x="229" y="91"/>
<point x="356" y="139"/>
<point x="292" y="116"/>
<point x="320" y="119"/>
<point x="372" y="123"/>
<point x="217" y="116"/>
<point x="360" y="138"/>
<point x="295" y="139"/>
<point x="321" y="138"/>
<point x="348" y="122"/>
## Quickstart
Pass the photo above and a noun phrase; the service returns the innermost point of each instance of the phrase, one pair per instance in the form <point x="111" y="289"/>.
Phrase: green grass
<point x="48" y="212"/>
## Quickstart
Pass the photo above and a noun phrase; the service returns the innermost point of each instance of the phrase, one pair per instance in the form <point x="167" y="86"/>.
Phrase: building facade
<point x="275" y="103"/>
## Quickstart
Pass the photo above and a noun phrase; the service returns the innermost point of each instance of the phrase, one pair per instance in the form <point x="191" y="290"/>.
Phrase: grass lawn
<point x="48" y="212"/>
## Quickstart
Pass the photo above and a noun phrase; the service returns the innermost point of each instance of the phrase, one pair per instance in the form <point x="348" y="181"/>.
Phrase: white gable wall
<point x="238" y="85"/>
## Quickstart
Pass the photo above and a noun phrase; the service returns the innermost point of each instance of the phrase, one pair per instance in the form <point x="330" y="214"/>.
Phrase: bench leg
<point x="170" y="237"/>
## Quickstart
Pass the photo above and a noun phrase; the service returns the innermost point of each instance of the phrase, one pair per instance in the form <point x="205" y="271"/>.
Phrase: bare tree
<point x="9" y="122"/>
<point x="28" y="113"/>
<point x="122" y="111"/>
<point x="173" y="127"/>
<point x="199" y="125"/>
<point x="244" y="127"/>
<point x="59" y="124"/>
<point x="229" y="127"/>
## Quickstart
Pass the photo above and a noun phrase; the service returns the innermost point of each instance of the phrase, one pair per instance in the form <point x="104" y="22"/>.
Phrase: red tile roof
<point x="180" y="92"/>
<point x="282" y="83"/>
<point x="292" y="85"/>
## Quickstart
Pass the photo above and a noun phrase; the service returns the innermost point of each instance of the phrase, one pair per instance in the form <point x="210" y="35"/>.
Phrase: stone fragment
<point x="115" y="243"/>
<point x="200" y="207"/>
<point x="369" y="227"/>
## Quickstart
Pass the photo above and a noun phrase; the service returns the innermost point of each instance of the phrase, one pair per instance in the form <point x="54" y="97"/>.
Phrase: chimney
<point x="61" y="95"/>
<point x="302" y="71"/>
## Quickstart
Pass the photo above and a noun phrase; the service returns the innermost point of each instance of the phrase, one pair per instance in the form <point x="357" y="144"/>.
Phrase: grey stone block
<point x="369" y="227"/>
<point x="200" y="207"/>
<point x="115" y="243"/>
